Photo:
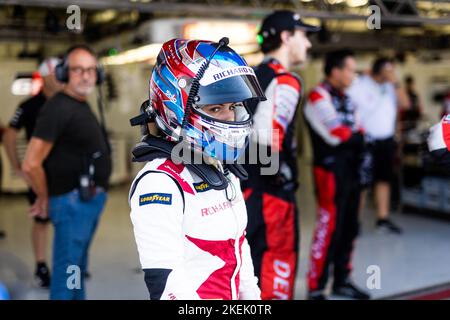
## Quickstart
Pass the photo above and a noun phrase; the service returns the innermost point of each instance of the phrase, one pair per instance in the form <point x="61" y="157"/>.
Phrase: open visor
<point x="235" y="88"/>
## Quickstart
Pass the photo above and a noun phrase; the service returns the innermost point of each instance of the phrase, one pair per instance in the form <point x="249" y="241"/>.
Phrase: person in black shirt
<point x="68" y="164"/>
<point x="25" y="117"/>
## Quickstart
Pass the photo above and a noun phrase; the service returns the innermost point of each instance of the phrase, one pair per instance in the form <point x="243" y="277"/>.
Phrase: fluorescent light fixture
<point x="104" y="16"/>
<point x="140" y="54"/>
<point x="238" y="32"/>
<point x="148" y="53"/>
<point x="356" y="3"/>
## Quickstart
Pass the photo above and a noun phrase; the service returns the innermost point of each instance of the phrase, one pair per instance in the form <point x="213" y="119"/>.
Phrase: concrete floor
<point x="416" y="259"/>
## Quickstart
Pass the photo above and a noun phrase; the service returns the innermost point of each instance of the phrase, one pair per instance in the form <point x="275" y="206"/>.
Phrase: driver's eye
<point x="213" y="109"/>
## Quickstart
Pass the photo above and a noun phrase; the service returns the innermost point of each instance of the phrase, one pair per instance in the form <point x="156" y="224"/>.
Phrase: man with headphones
<point x="68" y="165"/>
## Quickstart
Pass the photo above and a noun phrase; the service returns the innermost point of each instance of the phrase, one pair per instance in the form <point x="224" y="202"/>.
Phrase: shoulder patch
<point x="276" y="66"/>
<point x="175" y="171"/>
<point x="315" y="96"/>
<point x="161" y="198"/>
<point x="202" y="186"/>
<point x="290" y="80"/>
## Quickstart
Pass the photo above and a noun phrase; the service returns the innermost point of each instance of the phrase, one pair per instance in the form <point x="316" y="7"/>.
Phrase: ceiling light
<point x="356" y="3"/>
<point x="238" y="32"/>
<point x="335" y="1"/>
<point x="104" y="16"/>
<point x="148" y="53"/>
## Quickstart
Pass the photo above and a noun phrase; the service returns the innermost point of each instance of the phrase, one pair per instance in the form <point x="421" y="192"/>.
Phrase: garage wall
<point x="131" y="83"/>
<point x="8" y="70"/>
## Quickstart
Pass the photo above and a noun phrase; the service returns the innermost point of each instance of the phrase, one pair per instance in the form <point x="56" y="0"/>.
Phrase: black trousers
<point x="337" y="194"/>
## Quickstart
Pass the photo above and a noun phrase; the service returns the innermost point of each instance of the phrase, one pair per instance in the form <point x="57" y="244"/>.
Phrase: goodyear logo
<point x="161" y="198"/>
<point x="201" y="186"/>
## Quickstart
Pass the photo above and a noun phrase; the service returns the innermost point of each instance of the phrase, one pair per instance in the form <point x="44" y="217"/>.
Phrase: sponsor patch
<point x="221" y="74"/>
<point x="216" y="208"/>
<point x="161" y="198"/>
<point x="201" y="186"/>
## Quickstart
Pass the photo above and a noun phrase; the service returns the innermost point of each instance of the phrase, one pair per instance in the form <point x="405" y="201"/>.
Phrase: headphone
<point x="62" y="68"/>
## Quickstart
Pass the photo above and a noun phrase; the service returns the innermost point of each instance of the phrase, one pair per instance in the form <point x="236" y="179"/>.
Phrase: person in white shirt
<point x="378" y="96"/>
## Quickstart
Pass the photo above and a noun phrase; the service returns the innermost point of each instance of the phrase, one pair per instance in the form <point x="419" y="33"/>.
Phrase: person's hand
<point x="39" y="208"/>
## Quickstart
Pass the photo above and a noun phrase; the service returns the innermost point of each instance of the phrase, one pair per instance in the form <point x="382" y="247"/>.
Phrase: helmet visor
<point x="236" y="88"/>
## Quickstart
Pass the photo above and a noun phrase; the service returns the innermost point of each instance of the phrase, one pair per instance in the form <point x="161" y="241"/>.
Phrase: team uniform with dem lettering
<point x="273" y="216"/>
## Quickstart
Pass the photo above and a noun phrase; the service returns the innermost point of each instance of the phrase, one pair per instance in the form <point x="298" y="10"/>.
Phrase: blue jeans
<point x="74" y="224"/>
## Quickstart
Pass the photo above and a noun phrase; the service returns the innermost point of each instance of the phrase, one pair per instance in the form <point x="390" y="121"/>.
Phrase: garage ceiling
<point x="421" y="22"/>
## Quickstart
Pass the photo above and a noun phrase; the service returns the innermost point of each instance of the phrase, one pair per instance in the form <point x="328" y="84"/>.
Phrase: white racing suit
<point x="190" y="238"/>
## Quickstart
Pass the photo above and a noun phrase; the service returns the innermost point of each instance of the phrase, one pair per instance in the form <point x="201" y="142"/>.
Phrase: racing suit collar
<point x="152" y="147"/>
<point x="334" y="91"/>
